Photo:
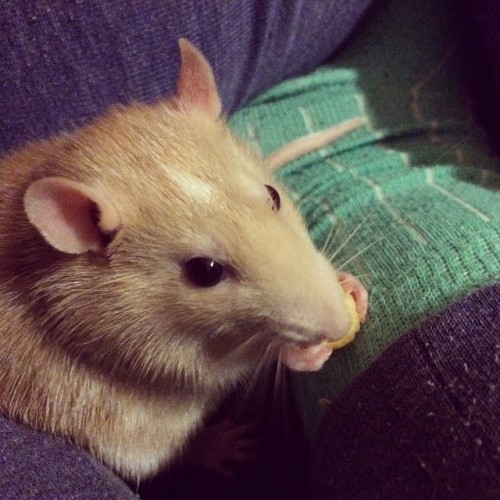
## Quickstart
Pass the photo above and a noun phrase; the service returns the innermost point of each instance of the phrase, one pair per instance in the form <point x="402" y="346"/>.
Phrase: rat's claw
<point x="219" y="445"/>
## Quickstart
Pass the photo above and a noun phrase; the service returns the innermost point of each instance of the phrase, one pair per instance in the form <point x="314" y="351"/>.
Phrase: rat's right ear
<point x="71" y="216"/>
<point x="196" y="88"/>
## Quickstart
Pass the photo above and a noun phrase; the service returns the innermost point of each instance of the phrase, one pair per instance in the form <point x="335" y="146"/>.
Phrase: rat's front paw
<point x="356" y="289"/>
<point x="223" y="444"/>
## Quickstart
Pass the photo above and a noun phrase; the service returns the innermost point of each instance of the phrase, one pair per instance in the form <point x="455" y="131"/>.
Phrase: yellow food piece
<point x="355" y="323"/>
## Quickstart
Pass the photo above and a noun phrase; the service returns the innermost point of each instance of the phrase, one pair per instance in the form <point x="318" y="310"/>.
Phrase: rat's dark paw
<point x="222" y="445"/>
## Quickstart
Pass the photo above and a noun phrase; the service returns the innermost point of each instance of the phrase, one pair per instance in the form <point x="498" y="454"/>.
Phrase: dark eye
<point x="275" y="198"/>
<point x="204" y="272"/>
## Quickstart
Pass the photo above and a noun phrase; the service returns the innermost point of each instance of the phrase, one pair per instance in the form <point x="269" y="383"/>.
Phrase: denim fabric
<point x="37" y="465"/>
<point x="65" y="62"/>
<point x="422" y="421"/>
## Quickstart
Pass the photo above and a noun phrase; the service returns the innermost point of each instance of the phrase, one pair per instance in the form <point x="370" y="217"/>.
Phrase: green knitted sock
<point x="413" y="195"/>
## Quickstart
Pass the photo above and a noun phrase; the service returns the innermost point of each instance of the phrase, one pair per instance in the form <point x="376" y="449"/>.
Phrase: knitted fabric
<point x="412" y="197"/>
<point x="422" y="421"/>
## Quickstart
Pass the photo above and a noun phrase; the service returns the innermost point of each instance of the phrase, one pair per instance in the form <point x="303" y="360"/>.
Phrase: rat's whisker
<point x="332" y="236"/>
<point x="348" y="239"/>
<point x="281" y="399"/>
<point x="253" y="387"/>
<point x="238" y="349"/>
<point x="279" y="378"/>
<point x="263" y="364"/>
<point x="357" y="254"/>
<point x="328" y="239"/>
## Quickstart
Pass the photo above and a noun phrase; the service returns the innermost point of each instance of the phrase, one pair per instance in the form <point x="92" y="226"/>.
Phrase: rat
<point x="148" y="262"/>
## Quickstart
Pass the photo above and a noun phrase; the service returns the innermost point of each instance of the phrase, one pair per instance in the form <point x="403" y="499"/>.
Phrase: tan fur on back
<point x="114" y="350"/>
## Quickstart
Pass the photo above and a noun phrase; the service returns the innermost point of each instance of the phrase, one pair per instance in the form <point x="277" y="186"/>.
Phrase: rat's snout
<point x="346" y="309"/>
<point x="317" y="322"/>
<point x="335" y="321"/>
<point x="324" y="307"/>
<point x="330" y="326"/>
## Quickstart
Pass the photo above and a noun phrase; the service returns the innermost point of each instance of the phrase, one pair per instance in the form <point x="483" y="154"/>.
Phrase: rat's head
<point x="163" y="249"/>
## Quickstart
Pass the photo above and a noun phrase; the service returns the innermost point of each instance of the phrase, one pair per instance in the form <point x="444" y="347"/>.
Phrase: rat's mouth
<point x="305" y="358"/>
<point x="311" y="357"/>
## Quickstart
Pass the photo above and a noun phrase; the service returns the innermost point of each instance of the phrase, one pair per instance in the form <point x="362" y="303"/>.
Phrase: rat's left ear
<point x="196" y="88"/>
<point x="71" y="216"/>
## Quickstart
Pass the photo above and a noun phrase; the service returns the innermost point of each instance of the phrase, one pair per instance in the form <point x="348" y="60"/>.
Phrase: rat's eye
<point x="204" y="272"/>
<point x="275" y="200"/>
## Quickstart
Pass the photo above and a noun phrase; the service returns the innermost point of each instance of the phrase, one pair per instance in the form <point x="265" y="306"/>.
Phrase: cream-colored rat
<point x="147" y="263"/>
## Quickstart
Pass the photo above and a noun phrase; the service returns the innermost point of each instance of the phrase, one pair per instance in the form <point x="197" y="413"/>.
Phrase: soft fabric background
<point x="65" y="62"/>
<point x="38" y="465"/>
<point x="422" y="421"/>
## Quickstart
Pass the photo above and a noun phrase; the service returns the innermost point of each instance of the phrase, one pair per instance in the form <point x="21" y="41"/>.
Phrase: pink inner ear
<point x="196" y="88"/>
<point x="68" y="214"/>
